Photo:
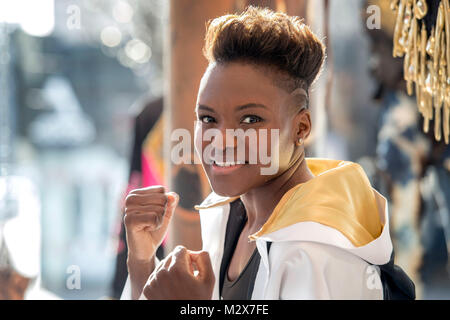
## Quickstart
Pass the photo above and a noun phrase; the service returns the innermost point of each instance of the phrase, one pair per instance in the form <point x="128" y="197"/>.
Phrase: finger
<point x="203" y="262"/>
<point x="133" y="219"/>
<point x="160" y="264"/>
<point x="172" y="199"/>
<point x="158" y="268"/>
<point x="172" y="202"/>
<point x="149" y="190"/>
<point x="170" y="257"/>
<point x="181" y="259"/>
<point x="155" y="271"/>
<point x="140" y="199"/>
<point x="145" y="209"/>
<point x="167" y="261"/>
<point x="151" y="291"/>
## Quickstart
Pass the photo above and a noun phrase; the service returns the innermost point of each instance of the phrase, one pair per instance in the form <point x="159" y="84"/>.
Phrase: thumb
<point x="172" y="202"/>
<point x="203" y="263"/>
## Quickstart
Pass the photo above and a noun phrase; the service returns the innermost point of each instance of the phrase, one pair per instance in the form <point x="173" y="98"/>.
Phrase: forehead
<point x="238" y="83"/>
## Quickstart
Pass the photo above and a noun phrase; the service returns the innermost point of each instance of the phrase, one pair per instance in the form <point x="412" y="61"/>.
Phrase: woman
<point x="314" y="229"/>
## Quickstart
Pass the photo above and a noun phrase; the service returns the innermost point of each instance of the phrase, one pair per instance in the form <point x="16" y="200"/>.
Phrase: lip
<point x="225" y="170"/>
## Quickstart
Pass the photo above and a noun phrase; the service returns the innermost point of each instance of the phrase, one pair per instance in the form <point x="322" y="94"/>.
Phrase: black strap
<point x="396" y="283"/>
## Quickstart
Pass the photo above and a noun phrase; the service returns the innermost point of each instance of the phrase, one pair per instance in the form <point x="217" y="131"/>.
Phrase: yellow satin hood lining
<point x="340" y="196"/>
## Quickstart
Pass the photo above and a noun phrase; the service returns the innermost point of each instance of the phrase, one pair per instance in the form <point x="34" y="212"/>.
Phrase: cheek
<point x="198" y="140"/>
<point x="280" y="148"/>
<point x="273" y="141"/>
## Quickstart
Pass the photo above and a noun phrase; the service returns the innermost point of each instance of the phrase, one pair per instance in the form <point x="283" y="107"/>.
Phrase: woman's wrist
<point x="139" y="271"/>
<point x="138" y="261"/>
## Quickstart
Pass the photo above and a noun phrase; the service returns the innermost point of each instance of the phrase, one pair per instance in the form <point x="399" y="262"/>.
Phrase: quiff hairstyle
<point x="267" y="39"/>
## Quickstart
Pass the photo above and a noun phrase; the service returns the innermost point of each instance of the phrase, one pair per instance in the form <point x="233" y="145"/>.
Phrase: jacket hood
<point x="338" y="207"/>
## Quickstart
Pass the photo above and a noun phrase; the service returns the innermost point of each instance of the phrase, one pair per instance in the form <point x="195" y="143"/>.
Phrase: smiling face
<point x="243" y="96"/>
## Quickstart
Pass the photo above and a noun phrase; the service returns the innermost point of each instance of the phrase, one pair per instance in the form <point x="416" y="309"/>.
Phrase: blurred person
<point x="435" y="215"/>
<point x="20" y="241"/>
<point x="315" y="229"/>
<point x="404" y="155"/>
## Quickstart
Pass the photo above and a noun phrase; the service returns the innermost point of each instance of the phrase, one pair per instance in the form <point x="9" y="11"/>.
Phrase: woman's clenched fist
<point x="182" y="275"/>
<point x="148" y="212"/>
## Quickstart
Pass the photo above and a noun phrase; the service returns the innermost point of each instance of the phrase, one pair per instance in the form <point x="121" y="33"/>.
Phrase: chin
<point x="236" y="184"/>
<point x="227" y="190"/>
<point x="228" y="187"/>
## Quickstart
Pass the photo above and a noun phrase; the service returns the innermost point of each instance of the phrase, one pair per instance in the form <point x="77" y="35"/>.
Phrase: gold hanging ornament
<point x="426" y="60"/>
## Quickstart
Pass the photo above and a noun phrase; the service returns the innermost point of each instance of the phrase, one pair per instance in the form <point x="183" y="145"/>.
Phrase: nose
<point x="224" y="139"/>
<point x="224" y="144"/>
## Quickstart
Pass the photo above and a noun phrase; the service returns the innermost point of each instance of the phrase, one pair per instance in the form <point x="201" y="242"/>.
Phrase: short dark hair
<point x="266" y="38"/>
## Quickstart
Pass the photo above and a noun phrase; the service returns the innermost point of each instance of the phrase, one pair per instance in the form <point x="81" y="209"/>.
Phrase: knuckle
<point x="159" y="188"/>
<point x="135" y="192"/>
<point x="129" y="198"/>
<point x="127" y="219"/>
<point x="147" y="291"/>
<point x="180" y="248"/>
<point x="153" y="189"/>
<point x="176" y="266"/>
<point x="127" y="208"/>
<point x="157" y="200"/>
<point x="157" y="209"/>
<point x="162" y="274"/>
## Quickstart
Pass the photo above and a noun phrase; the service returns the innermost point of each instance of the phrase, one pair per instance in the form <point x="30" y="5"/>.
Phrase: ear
<point x="302" y="125"/>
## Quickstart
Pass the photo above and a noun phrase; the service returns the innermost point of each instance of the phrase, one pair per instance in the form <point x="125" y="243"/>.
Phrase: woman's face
<point x="242" y="96"/>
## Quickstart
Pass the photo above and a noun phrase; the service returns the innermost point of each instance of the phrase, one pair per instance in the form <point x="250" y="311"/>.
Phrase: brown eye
<point x="207" y="119"/>
<point x="251" y="119"/>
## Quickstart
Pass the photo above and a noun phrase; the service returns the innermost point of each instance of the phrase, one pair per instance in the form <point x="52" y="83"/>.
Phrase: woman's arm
<point x="148" y="212"/>
<point x="139" y="272"/>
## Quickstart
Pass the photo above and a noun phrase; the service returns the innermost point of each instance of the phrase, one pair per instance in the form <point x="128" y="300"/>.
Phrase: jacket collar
<point x="346" y="202"/>
<point x="214" y="200"/>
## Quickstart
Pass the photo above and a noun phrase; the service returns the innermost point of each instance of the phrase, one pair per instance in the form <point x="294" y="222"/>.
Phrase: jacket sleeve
<point x="126" y="292"/>
<point x="308" y="270"/>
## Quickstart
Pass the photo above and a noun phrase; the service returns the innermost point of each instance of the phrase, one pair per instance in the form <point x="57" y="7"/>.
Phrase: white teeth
<point x="228" y="164"/>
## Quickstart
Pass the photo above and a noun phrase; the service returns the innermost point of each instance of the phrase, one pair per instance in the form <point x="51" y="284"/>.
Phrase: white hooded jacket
<point x="314" y="253"/>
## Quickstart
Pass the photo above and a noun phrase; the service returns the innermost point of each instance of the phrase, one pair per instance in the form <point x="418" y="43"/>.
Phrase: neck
<point x="261" y="201"/>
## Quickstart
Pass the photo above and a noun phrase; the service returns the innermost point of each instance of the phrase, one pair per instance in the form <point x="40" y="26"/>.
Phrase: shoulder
<point x="310" y="249"/>
<point x="321" y="271"/>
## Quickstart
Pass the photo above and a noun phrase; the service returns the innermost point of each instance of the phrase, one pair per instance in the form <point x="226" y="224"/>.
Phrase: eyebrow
<point x="251" y="105"/>
<point x="238" y="108"/>
<point x="203" y="107"/>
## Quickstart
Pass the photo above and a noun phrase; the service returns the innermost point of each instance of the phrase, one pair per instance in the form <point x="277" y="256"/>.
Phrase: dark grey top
<point x="239" y="288"/>
<point x="242" y="287"/>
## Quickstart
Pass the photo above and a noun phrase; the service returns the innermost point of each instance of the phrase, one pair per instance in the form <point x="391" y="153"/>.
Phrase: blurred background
<point x="90" y="91"/>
